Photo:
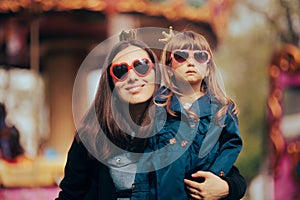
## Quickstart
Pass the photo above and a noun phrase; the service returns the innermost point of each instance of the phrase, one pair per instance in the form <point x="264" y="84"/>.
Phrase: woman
<point x="102" y="160"/>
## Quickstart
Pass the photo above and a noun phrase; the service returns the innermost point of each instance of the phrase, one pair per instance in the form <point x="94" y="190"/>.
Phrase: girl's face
<point x="136" y="85"/>
<point x="190" y="65"/>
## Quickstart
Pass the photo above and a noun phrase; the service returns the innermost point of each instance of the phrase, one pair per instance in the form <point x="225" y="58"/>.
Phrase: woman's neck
<point x="137" y="112"/>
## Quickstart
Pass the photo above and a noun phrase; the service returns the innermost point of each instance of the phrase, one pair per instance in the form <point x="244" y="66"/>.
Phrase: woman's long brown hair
<point x="100" y="126"/>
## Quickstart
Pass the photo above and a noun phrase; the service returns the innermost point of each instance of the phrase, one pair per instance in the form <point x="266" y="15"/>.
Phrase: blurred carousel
<point x="284" y="122"/>
<point x="43" y="43"/>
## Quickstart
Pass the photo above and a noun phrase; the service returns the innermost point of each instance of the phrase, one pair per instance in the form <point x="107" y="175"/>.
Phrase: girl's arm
<point x="230" y="145"/>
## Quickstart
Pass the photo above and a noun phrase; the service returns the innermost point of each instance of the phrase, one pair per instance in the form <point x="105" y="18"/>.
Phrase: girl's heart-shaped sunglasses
<point x="181" y="56"/>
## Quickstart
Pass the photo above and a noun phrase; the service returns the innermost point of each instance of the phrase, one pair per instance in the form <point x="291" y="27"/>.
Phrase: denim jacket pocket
<point x="140" y="191"/>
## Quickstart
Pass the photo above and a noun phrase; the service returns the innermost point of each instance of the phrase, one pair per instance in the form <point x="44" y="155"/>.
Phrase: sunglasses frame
<point x="189" y="55"/>
<point x="129" y="68"/>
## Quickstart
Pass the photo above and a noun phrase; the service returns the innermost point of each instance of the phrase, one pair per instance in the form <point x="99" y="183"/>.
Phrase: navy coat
<point x="88" y="179"/>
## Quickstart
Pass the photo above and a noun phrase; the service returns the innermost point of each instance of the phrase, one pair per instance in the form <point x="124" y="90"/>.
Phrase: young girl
<point x="200" y="131"/>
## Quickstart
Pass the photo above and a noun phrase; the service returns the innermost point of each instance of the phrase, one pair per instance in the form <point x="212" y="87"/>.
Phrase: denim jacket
<point x="182" y="146"/>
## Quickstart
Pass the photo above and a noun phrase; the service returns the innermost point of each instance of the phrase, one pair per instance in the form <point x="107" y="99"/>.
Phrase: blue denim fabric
<point x="177" y="149"/>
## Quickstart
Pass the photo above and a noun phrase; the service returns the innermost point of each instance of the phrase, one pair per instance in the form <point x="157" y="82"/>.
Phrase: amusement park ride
<point x="38" y="34"/>
<point x="284" y="122"/>
<point x="51" y="38"/>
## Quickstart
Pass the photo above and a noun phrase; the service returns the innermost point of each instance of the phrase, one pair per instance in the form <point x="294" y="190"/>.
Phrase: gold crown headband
<point x="167" y="36"/>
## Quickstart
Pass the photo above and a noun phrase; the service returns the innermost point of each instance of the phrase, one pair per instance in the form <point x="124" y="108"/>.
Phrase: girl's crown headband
<point x="167" y="36"/>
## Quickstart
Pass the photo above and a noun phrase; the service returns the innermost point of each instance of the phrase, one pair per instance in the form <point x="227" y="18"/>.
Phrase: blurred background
<point x="44" y="42"/>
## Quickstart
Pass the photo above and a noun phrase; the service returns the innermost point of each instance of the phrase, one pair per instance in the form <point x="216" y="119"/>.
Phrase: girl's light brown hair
<point x="212" y="84"/>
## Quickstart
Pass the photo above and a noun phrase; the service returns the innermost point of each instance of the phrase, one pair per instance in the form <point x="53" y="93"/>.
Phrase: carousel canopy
<point x="213" y="12"/>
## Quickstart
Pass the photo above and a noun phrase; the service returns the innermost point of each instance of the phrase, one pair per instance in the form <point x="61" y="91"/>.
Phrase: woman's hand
<point x="211" y="189"/>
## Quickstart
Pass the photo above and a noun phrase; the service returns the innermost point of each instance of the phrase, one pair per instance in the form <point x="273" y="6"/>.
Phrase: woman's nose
<point x="131" y="75"/>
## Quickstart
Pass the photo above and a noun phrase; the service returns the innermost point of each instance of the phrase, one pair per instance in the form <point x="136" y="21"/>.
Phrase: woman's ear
<point x="170" y="72"/>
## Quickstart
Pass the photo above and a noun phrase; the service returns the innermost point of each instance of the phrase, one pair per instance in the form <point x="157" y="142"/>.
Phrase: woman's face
<point x="191" y="69"/>
<point x="134" y="88"/>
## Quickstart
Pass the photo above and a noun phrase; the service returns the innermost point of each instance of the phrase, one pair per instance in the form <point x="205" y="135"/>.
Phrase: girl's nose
<point x="191" y="61"/>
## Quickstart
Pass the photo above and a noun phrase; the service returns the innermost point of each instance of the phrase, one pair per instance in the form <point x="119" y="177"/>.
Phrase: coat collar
<point x="204" y="106"/>
<point x="201" y="107"/>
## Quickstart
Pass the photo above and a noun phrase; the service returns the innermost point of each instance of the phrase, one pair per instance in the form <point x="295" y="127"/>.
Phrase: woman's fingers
<point x="194" y="193"/>
<point x="192" y="184"/>
<point x="202" y="174"/>
<point x="194" y="196"/>
<point x="212" y="188"/>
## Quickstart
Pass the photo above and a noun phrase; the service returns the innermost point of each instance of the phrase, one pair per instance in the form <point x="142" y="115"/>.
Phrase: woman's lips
<point x="135" y="88"/>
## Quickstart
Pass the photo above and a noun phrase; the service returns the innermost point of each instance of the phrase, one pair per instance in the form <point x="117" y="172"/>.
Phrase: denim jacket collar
<point x="201" y="107"/>
<point x="204" y="106"/>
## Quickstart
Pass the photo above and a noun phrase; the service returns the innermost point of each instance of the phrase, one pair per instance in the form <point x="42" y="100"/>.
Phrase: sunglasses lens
<point x="120" y="70"/>
<point x="201" y="57"/>
<point x="141" y="66"/>
<point x="180" y="56"/>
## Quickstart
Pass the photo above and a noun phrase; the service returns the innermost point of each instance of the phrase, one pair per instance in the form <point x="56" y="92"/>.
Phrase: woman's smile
<point x="135" y="88"/>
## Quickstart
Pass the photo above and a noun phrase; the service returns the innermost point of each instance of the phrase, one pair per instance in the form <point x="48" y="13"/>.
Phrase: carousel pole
<point x="34" y="36"/>
<point x="34" y="45"/>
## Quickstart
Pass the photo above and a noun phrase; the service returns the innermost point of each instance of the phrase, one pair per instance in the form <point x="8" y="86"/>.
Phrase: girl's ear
<point x="207" y="72"/>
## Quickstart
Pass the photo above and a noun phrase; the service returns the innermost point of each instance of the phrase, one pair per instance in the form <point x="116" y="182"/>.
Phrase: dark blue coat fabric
<point x="182" y="146"/>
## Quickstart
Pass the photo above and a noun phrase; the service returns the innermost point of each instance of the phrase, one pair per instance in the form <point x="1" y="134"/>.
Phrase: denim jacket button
<point x="132" y="186"/>
<point x="221" y="173"/>
<point x="183" y="143"/>
<point x="172" y="140"/>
